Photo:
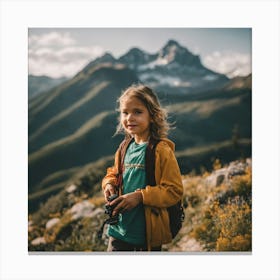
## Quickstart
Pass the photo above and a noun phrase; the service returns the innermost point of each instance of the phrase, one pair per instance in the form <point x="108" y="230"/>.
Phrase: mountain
<point x="173" y="52"/>
<point x="72" y="125"/>
<point x="173" y="67"/>
<point x="135" y="57"/>
<point x="107" y="58"/>
<point x="39" y="84"/>
<point x="240" y="82"/>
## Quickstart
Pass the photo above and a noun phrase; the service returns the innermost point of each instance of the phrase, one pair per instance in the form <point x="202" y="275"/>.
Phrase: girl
<point x="143" y="218"/>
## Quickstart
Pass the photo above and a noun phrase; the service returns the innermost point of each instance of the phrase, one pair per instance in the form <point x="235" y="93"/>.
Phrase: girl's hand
<point x="109" y="190"/>
<point x="126" y="202"/>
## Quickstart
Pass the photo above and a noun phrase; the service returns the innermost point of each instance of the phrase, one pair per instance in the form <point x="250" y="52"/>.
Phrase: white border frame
<point x="18" y="16"/>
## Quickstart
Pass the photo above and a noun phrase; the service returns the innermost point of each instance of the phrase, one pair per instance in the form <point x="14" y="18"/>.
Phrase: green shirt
<point x="131" y="227"/>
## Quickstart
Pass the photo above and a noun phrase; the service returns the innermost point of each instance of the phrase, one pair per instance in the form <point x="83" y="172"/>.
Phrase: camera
<point x="112" y="220"/>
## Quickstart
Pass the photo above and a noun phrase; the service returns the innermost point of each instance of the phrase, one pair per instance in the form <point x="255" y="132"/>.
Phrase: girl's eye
<point x="138" y="112"/>
<point x="124" y="113"/>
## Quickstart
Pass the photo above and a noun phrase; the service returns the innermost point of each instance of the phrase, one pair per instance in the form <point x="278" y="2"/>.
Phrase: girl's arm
<point x="109" y="182"/>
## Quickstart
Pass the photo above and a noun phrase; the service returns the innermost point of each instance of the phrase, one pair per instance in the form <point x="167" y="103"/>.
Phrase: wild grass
<point x="220" y="217"/>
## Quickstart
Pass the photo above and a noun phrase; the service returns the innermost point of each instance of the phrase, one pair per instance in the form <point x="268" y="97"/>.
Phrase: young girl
<point x="143" y="223"/>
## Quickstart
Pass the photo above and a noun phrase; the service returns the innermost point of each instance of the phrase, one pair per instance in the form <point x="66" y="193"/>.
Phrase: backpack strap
<point x="150" y="162"/>
<point x="122" y="150"/>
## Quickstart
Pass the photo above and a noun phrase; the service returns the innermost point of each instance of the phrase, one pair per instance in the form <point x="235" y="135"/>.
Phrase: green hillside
<point x="62" y="111"/>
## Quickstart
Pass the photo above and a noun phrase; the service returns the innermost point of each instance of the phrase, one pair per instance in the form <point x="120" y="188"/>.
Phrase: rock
<point x="30" y="226"/>
<point x="82" y="209"/>
<point x="249" y="161"/>
<point x="71" y="188"/>
<point x="236" y="168"/>
<point x="220" y="179"/>
<point x="52" y="222"/>
<point x="97" y="211"/>
<point x="38" y="241"/>
<point x="223" y="175"/>
<point x="217" y="177"/>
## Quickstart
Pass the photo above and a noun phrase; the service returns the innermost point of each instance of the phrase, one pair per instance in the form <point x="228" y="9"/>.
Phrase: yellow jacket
<point x="156" y="199"/>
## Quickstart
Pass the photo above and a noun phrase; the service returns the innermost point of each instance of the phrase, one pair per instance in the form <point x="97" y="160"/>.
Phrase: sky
<point x="58" y="52"/>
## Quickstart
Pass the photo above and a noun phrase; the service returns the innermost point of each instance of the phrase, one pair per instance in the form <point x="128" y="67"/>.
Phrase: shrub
<point x="227" y="226"/>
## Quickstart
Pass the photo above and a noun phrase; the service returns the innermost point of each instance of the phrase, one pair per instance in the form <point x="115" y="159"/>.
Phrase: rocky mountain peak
<point x="172" y="43"/>
<point x="174" y="52"/>
<point x="135" y="51"/>
<point x="135" y="57"/>
<point x="106" y="58"/>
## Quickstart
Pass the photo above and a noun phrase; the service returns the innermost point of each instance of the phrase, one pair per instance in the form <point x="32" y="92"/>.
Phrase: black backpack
<point x="176" y="211"/>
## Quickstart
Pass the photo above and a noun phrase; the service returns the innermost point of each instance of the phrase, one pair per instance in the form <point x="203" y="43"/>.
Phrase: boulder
<point x="52" y="222"/>
<point x="71" y="188"/>
<point x="82" y="209"/>
<point x="38" y="241"/>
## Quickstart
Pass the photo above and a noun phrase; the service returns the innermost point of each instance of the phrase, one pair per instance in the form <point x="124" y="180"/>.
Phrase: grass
<point x="220" y="217"/>
<point x="64" y="114"/>
<point x="202" y="109"/>
<point x="66" y="141"/>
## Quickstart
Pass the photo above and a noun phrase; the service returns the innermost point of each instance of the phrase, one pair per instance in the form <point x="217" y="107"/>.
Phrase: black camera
<point x="112" y="220"/>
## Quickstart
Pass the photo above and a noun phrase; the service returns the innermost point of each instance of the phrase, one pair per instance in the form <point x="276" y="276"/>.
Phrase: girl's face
<point x="135" y="119"/>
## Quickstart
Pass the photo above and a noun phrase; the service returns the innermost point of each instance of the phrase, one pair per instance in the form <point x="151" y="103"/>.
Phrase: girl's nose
<point x="129" y="117"/>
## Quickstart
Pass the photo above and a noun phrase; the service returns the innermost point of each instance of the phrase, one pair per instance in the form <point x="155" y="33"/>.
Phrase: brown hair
<point x="159" y="126"/>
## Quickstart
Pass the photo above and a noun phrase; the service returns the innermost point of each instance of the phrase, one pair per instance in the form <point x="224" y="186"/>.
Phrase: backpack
<point x="176" y="211"/>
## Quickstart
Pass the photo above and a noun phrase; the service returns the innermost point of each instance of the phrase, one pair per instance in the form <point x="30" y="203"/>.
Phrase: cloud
<point x="229" y="63"/>
<point x="58" y="54"/>
<point x="52" y="39"/>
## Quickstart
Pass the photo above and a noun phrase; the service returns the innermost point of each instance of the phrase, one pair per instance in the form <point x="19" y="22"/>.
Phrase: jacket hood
<point x="169" y="143"/>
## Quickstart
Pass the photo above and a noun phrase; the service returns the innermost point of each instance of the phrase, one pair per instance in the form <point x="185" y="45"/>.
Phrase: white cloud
<point x="58" y="54"/>
<point x="229" y="63"/>
<point x="51" y="39"/>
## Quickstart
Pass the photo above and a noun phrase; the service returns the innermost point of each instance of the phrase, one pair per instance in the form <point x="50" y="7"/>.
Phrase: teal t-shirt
<point x="132" y="226"/>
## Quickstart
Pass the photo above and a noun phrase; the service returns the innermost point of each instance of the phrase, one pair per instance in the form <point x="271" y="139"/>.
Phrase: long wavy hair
<point x="159" y="126"/>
